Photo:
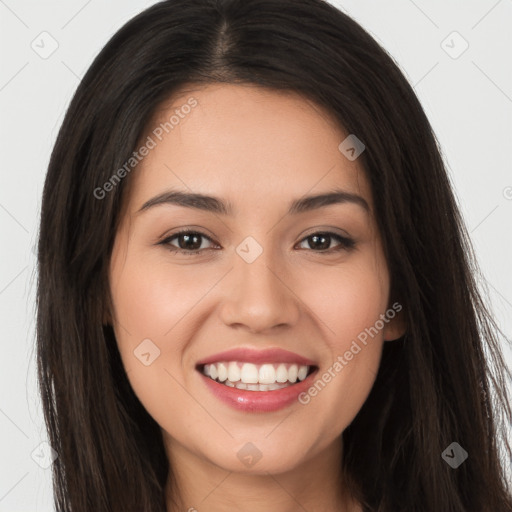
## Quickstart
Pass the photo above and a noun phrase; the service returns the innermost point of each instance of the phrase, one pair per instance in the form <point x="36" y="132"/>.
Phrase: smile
<point x="252" y="380"/>
<point x="254" y="377"/>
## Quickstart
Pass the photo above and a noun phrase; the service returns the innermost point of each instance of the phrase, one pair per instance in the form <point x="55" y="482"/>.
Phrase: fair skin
<point x="258" y="150"/>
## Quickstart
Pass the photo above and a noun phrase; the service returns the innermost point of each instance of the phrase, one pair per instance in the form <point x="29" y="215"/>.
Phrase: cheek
<point x="154" y="311"/>
<point x="348" y="303"/>
<point x="348" y="299"/>
<point x="151" y="298"/>
<point x="148" y="304"/>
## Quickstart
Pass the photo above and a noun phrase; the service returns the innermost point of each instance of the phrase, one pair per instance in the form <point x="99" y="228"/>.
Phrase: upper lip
<point x="249" y="355"/>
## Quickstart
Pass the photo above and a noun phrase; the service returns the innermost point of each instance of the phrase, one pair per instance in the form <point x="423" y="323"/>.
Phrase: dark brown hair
<point x="443" y="382"/>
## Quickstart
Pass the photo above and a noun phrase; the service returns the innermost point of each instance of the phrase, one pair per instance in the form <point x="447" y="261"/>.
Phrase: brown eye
<point x="320" y="242"/>
<point x="189" y="242"/>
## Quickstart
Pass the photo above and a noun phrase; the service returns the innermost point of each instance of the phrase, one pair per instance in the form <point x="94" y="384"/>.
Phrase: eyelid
<point x="331" y="230"/>
<point x="186" y="229"/>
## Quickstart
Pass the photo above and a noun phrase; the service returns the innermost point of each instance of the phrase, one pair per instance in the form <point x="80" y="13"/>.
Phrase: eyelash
<point x="345" y="243"/>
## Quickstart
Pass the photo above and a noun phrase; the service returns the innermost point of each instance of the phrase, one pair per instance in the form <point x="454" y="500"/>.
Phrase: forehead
<point x="245" y="143"/>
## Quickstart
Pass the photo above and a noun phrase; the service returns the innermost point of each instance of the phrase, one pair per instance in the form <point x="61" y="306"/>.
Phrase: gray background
<point x="467" y="97"/>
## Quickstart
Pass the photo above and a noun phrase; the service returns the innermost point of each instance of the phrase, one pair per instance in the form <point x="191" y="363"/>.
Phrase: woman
<point x="197" y="350"/>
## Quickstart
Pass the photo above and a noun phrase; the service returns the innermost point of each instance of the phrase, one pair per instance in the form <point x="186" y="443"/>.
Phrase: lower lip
<point x="258" y="401"/>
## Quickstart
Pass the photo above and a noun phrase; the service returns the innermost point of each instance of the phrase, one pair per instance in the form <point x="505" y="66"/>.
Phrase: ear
<point x="396" y="326"/>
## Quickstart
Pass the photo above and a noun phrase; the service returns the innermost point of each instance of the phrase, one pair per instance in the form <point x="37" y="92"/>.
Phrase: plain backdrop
<point x="456" y="54"/>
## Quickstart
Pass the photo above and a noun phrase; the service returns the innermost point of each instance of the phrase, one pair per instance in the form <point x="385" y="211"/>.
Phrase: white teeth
<point x="233" y="372"/>
<point x="292" y="373"/>
<point x="249" y="374"/>
<point x="301" y="374"/>
<point x="267" y="374"/>
<point x="257" y="387"/>
<point x="265" y="377"/>
<point x="222" y="372"/>
<point x="282" y="373"/>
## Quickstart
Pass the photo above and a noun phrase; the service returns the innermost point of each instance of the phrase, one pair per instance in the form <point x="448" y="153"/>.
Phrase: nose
<point x="259" y="296"/>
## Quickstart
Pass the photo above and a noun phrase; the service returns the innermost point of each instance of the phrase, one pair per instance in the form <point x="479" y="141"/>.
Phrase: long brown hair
<point x="443" y="382"/>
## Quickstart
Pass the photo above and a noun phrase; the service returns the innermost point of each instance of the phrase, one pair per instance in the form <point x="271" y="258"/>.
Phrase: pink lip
<point x="258" y="401"/>
<point x="274" y="355"/>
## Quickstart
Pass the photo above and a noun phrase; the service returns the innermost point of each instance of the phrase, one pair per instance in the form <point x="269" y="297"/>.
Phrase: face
<point x="293" y="293"/>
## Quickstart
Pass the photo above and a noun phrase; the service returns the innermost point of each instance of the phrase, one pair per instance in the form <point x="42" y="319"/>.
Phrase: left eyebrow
<point x="218" y="206"/>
